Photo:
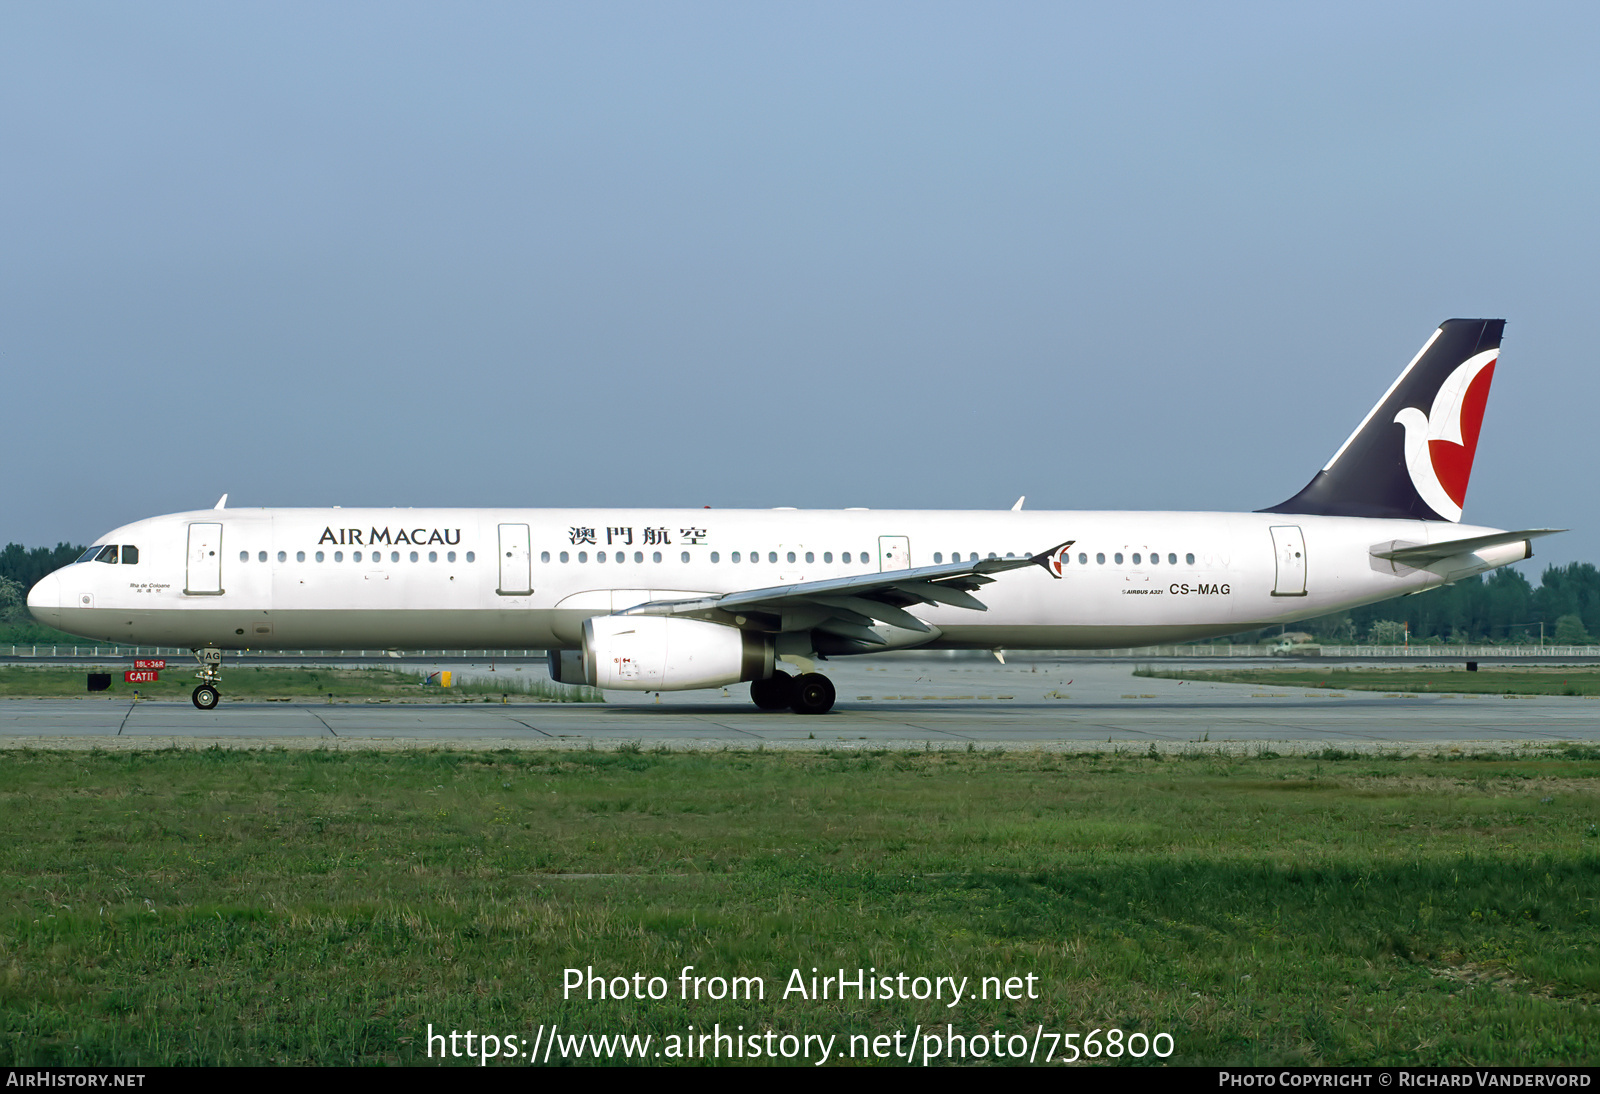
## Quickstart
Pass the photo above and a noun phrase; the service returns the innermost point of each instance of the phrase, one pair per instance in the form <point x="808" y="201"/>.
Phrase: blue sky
<point x="886" y="255"/>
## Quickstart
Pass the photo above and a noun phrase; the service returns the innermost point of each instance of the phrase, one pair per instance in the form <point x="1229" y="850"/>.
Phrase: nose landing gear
<point x="207" y="694"/>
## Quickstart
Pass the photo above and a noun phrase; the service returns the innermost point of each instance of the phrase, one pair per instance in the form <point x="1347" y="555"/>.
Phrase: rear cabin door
<point x="516" y="560"/>
<point x="204" y="574"/>
<point x="1290" y="547"/>
<point x="894" y="552"/>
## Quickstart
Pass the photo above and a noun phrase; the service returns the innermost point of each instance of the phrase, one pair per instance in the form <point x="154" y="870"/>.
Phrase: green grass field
<point x="224" y="907"/>
<point x="1433" y="679"/>
<point x="241" y="682"/>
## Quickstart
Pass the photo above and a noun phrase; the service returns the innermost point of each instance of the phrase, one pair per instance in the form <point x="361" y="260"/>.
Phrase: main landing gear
<point x="207" y="694"/>
<point x="808" y="693"/>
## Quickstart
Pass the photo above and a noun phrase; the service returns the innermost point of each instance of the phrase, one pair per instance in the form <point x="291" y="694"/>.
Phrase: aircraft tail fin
<point x="1412" y="454"/>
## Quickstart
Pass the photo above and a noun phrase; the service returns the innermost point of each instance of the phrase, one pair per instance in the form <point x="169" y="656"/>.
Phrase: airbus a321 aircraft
<point x="665" y="599"/>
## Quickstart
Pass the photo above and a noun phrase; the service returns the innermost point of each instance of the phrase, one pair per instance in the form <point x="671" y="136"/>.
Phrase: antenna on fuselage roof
<point x="222" y="502"/>
<point x="1017" y="508"/>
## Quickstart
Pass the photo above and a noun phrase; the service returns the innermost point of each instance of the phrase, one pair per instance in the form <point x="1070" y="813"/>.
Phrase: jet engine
<point x="566" y="666"/>
<point x="658" y="653"/>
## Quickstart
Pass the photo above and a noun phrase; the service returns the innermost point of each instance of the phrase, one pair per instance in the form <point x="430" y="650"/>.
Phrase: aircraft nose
<point x="44" y="600"/>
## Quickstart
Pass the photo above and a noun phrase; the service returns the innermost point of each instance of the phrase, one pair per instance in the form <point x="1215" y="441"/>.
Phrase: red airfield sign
<point x="134" y="676"/>
<point x="149" y="663"/>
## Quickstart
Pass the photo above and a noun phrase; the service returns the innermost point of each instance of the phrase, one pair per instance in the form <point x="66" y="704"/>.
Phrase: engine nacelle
<point x="659" y="653"/>
<point x="566" y="667"/>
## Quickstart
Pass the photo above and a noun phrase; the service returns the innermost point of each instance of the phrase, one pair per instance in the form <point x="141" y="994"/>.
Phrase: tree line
<point x="26" y="567"/>
<point x="1500" y="607"/>
<point x="20" y="568"/>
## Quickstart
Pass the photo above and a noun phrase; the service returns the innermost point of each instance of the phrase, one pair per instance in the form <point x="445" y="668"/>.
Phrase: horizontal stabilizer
<point x="1424" y="554"/>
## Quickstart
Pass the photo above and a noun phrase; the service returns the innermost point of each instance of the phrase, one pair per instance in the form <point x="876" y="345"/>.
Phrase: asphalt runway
<point x="888" y="704"/>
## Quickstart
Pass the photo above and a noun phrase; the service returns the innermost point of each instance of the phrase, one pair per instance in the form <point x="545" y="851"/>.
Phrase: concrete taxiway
<point x="894" y="703"/>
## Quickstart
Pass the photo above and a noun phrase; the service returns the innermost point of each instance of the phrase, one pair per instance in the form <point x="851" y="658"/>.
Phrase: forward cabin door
<point x="204" y="574"/>
<point x="516" y="560"/>
<point x="894" y="553"/>
<point x="1290" y="547"/>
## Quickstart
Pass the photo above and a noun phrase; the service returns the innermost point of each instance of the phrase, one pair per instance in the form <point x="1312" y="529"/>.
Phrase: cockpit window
<point x="88" y="556"/>
<point x="130" y="555"/>
<point x="108" y="553"/>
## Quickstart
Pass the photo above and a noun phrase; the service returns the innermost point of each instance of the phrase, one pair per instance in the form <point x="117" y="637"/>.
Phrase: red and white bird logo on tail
<point x="1439" y="447"/>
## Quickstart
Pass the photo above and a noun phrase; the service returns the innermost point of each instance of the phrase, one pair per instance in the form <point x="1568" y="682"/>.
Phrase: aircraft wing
<point x="1423" y="554"/>
<point x="850" y="605"/>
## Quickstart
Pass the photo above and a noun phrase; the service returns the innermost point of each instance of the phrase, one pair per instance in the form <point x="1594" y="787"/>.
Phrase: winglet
<point x="222" y="502"/>
<point x="1018" y="507"/>
<point x="1050" y="560"/>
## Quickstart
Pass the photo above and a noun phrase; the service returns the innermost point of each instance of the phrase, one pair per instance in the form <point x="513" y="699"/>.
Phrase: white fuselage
<point x="475" y="578"/>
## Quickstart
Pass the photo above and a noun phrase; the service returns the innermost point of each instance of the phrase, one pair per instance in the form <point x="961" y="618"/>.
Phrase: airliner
<point x="674" y="599"/>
